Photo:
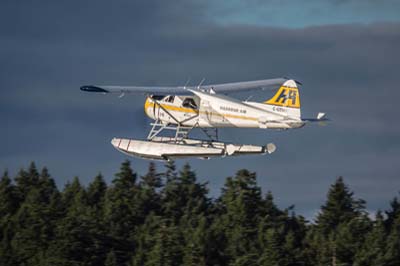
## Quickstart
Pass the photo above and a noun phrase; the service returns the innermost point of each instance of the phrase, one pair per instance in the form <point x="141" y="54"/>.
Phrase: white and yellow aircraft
<point x="182" y="109"/>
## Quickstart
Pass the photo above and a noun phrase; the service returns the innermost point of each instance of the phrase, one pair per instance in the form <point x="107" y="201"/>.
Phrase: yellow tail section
<point x="286" y="96"/>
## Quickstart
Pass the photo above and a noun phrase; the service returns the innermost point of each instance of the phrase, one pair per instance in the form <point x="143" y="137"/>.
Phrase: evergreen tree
<point x="81" y="237"/>
<point x="340" y="207"/>
<point x="172" y="202"/>
<point x="167" y="249"/>
<point x="186" y="205"/>
<point x="8" y="198"/>
<point x="158" y="243"/>
<point x="145" y="239"/>
<point x="193" y="195"/>
<point x="152" y="179"/>
<point x="120" y="202"/>
<point x="392" y="214"/>
<point x="27" y="180"/>
<point x="145" y="223"/>
<point x="373" y="249"/>
<point x="273" y="253"/>
<point x="72" y="244"/>
<point x="281" y="236"/>
<point x="148" y="202"/>
<point x="125" y="180"/>
<point x="148" y="199"/>
<point x="349" y="238"/>
<point x="70" y="191"/>
<point x="240" y="204"/>
<point x="8" y="206"/>
<point x="318" y="247"/>
<point x="197" y="238"/>
<point x="35" y="219"/>
<point x="175" y="195"/>
<point x="111" y="259"/>
<point x="294" y="238"/>
<point x="340" y="227"/>
<point x="270" y="209"/>
<point x="96" y="192"/>
<point x="122" y="213"/>
<point x="170" y="173"/>
<point x="392" y="254"/>
<point x="195" y="219"/>
<point x="46" y="186"/>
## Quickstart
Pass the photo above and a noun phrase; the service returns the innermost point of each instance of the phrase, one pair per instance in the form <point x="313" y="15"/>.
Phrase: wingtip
<point x="92" y="88"/>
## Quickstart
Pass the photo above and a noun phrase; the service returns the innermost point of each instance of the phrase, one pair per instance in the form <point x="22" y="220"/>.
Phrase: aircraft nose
<point x="147" y="105"/>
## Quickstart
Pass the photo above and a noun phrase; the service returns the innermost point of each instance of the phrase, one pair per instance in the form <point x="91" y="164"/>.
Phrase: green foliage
<point x="373" y="249"/>
<point x="168" y="244"/>
<point x="340" y="207"/>
<point x="8" y="197"/>
<point x="240" y="213"/>
<point x="340" y="228"/>
<point x="392" y="254"/>
<point x="111" y="259"/>
<point x="167" y="218"/>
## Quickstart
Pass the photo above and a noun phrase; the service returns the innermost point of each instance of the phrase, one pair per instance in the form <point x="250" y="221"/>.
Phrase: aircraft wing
<point x="136" y="89"/>
<point x="246" y="85"/>
<point x="181" y="90"/>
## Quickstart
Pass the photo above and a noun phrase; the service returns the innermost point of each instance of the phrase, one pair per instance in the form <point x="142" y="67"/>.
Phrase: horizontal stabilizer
<point x="320" y="118"/>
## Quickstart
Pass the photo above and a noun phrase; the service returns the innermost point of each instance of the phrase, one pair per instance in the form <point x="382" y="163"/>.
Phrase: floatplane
<point x="208" y="108"/>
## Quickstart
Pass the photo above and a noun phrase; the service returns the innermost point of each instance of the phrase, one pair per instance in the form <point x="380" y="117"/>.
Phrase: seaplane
<point x="177" y="111"/>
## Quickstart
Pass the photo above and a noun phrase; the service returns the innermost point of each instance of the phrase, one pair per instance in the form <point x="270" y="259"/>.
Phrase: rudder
<point x="286" y="100"/>
<point x="286" y="96"/>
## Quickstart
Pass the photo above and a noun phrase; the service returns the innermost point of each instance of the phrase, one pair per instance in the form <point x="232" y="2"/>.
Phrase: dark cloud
<point x="48" y="50"/>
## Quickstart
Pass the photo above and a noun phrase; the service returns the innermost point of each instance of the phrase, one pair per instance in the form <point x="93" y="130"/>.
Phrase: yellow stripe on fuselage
<point x="149" y="104"/>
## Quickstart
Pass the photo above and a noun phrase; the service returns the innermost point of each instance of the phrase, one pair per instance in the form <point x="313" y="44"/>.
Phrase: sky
<point x="345" y="52"/>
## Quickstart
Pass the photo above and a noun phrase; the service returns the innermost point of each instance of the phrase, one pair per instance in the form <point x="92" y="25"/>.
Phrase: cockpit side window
<point x="189" y="103"/>
<point x="169" y="99"/>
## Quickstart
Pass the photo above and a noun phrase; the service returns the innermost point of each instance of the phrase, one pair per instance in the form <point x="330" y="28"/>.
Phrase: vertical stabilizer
<point x="287" y="99"/>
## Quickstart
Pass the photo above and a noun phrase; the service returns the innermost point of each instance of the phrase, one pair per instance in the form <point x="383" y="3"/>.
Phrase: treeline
<point x="167" y="218"/>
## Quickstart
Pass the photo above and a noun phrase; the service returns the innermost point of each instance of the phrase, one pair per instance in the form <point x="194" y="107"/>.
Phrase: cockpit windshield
<point x="157" y="97"/>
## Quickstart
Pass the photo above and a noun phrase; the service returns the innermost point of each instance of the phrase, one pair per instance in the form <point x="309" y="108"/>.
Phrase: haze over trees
<point x="166" y="217"/>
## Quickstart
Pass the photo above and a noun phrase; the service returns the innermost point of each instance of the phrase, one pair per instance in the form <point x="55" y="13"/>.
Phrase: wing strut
<point x="181" y="132"/>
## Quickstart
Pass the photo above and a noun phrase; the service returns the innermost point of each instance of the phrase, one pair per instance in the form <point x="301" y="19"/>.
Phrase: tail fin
<point x="288" y="98"/>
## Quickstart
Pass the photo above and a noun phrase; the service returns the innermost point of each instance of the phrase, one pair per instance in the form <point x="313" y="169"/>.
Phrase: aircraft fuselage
<point x="213" y="110"/>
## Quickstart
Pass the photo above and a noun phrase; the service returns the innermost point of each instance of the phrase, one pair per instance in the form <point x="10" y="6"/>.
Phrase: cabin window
<point x="169" y="99"/>
<point x="189" y="103"/>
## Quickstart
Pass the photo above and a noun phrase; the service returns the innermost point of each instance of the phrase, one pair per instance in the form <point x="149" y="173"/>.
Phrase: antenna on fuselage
<point x="201" y="82"/>
<point x="187" y="83"/>
<point x="248" y="98"/>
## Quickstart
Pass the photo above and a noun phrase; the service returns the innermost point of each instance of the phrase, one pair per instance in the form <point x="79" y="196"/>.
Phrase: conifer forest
<point x="166" y="217"/>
